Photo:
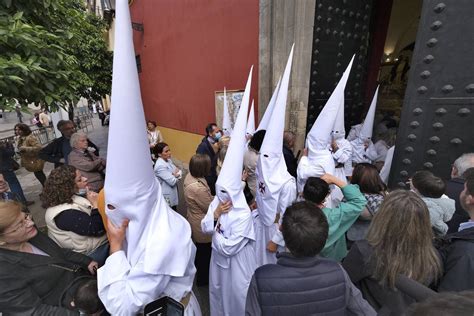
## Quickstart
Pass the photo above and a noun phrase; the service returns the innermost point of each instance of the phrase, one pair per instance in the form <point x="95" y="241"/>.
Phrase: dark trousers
<point x="14" y="184"/>
<point x="40" y="176"/>
<point x="202" y="261"/>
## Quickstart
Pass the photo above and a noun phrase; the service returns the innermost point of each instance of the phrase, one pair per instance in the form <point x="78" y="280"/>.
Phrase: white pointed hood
<point x="368" y="125"/>
<point x="319" y="137"/>
<point x="155" y="232"/>
<point x="339" y="130"/>
<point x="229" y="179"/>
<point x="268" y="111"/>
<point x="251" y="121"/>
<point x="272" y="173"/>
<point x="229" y="183"/>
<point x="226" y="123"/>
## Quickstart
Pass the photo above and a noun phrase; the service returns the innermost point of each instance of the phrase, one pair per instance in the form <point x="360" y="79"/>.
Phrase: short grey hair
<point x="463" y="163"/>
<point x="75" y="137"/>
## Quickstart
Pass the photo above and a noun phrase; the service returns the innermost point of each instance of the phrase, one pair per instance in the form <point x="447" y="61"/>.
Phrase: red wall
<point x="189" y="49"/>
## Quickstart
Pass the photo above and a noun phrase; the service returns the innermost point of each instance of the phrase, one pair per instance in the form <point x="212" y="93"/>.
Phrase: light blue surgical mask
<point x="218" y="136"/>
<point x="82" y="192"/>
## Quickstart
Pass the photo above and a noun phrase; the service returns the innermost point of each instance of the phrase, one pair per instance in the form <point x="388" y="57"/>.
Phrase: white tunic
<point x="385" y="172"/>
<point x="125" y="290"/>
<point x="314" y="168"/>
<point x="270" y="231"/>
<point x="382" y="149"/>
<point x="263" y="234"/>
<point x="319" y="165"/>
<point x="361" y="154"/>
<point x="232" y="263"/>
<point x="343" y="155"/>
<point x="354" y="132"/>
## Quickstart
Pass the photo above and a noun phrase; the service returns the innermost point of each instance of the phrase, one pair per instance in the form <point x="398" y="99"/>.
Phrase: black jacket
<point x="33" y="284"/>
<point x="54" y="151"/>
<point x="205" y="148"/>
<point x="457" y="251"/>
<point x="454" y="187"/>
<point x="6" y="157"/>
<point x="290" y="160"/>
<point x="383" y="299"/>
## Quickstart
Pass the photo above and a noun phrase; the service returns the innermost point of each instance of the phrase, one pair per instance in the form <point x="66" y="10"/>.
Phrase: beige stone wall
<point x="283" y="23"/>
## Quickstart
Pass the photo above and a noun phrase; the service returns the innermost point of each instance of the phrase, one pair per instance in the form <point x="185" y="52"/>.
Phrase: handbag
<point x="33" y="165"/>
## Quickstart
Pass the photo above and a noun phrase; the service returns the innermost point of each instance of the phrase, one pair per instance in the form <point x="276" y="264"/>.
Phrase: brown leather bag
<point x="32" y="165"/>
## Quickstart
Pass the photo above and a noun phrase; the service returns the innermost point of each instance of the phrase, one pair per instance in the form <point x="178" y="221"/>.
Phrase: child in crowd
<point x="86" y="299"/>
<point x="432" y="189"/>
<point x="301" y="282"/>
<point x="340" y="218"/>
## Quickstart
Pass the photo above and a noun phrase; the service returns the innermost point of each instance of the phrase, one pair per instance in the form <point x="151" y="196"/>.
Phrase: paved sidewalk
<point x="9" y="119"/>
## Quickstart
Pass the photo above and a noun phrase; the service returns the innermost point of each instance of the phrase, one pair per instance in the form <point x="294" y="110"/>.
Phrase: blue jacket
<point x="169" y="183"/>
<point x="304" y="286"/>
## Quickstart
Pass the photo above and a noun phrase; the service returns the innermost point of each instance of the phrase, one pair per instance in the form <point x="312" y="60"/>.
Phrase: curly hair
<point x="25" y="129"/>
<point x="60" y="187"/>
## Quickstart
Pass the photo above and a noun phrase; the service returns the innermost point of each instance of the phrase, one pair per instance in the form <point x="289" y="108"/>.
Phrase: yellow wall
<point x="182" y="144"/>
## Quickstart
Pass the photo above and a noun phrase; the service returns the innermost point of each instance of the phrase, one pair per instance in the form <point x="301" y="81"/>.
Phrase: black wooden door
<point x="341" y="29"/>
<point x="437" y="122"/>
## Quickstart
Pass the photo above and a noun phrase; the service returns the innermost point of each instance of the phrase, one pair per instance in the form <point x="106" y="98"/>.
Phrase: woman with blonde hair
<point x="37" y="276"/>
<point x="399" y="242"/>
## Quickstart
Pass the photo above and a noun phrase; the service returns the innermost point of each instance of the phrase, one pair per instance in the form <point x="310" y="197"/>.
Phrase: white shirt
<point x="125" y="290"/>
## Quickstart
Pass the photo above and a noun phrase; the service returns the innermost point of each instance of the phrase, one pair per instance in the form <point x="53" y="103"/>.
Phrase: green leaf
<point x="18" y="15"/>
<point x="15" y="78"/>
<point x="48" y="100"/>
<point x="49" y="86"/>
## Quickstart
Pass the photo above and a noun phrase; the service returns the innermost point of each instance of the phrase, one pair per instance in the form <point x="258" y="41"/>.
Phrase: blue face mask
<point x="82" y="192"/>
<point x="218" y="136"/>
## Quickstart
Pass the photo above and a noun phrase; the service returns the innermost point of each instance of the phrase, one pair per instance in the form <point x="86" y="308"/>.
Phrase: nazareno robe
<point x="232" y="261"/>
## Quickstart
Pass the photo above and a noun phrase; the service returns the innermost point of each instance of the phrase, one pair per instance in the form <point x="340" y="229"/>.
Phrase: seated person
<point x="37" y="276"/>
<point x="399" y="242"/>
<point x="72" y="216"/>
<point x="91" y="166"/>
<point x="302" y="282"/>
<point x="340" y="218"/>
<point x="431" y="189"/>
<point x="58" y="150"/>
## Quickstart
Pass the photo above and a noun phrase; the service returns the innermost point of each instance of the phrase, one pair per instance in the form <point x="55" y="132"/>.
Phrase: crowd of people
<point x="379" y="237"/>
<point x="360" y="250"/>
<point x="268" y="232"/>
